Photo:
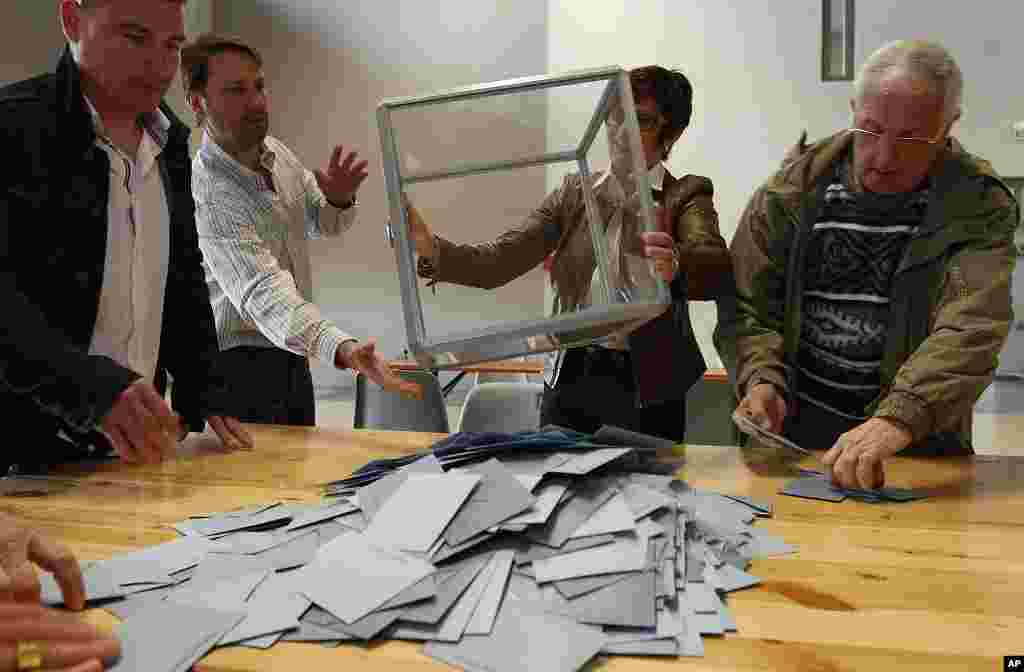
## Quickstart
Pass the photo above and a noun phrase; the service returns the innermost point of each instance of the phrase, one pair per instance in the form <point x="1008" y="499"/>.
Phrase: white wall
<point x="198" y="20"/>
<point x="30" y="39"/>
<point x="328" y="64"/>
<point x="755" y="73"/>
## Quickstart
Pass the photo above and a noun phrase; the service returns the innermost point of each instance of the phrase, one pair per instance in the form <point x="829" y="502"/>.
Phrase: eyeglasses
<point x="645" y="122"/>
<point x="908" y="144"/>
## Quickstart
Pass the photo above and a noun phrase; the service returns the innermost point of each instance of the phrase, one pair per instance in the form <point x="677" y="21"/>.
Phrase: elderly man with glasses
<point x="873" y="277"/>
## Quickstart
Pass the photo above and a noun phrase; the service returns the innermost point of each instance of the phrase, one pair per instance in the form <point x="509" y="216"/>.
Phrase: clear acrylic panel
<point x="558" y="158"/>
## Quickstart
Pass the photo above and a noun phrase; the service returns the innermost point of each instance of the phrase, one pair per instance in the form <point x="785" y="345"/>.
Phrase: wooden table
<point x="930" y="585"/>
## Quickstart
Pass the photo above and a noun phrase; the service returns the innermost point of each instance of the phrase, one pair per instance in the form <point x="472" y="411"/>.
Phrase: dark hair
<point x="195" y="58"/>
<point x="195" y="61"/>
<point x="672" y="92"/>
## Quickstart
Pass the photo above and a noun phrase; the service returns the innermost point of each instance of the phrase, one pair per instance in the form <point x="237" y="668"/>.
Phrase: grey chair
<point x="482" y="378"/>
<point x="379" y="409"/>
<point x="501" y="407"/>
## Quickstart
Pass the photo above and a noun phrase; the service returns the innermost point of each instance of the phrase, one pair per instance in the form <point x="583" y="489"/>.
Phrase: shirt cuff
<point x="429" y="267"/>
<point x="328" y="344"/>
<point x="772" y="376"/>
<point x="336" y="221"/>
<point x="908" y="410"/>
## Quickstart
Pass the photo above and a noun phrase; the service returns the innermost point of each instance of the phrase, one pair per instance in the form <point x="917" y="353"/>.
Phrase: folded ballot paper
<point x="530" y="559"/>
<point x="814" y="484"/>
<point x="770" y="439"/>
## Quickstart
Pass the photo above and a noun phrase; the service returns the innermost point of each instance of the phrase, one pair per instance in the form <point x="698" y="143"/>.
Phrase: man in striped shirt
<point x="256" y="208"/>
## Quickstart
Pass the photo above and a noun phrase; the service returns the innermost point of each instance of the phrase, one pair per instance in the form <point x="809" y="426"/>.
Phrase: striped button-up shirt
<point x="253" y="230"/>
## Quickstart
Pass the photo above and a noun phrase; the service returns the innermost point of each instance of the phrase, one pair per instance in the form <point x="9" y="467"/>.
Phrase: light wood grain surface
<point x="930" y="585"/>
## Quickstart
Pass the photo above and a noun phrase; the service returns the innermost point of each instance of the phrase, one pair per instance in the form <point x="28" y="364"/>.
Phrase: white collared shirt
<point x="131" y="304"/>
<point x="254" y="235"/>
<point x="656" y="177"/>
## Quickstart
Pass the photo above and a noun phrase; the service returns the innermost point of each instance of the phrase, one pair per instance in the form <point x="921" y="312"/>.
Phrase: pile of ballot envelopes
<point x="532" y="557"/>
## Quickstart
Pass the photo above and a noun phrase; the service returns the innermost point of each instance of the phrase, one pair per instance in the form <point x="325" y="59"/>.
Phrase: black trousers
<point x="595" y="387"/>
<point x="268" y="386"/>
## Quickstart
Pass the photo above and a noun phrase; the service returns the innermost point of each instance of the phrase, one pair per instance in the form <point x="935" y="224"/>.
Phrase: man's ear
<point x="71" y="20"/>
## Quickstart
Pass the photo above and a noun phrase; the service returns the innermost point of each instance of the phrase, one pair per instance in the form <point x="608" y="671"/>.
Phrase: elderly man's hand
<point x="856" y="461"/>
<point x="19" y="548"/>
<point x="765" y="407"/>
<point x="59" y="640"/>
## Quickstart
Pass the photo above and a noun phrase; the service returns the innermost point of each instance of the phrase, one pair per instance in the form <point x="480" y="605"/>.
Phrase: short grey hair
<point x="926" y="62"/>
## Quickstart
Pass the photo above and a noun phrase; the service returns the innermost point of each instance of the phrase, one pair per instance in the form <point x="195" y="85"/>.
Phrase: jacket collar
<point x="806" y="164"/>
<point x="656" y="176"/>
<point x="155" y="124"/>
<point x="77" y="119"/>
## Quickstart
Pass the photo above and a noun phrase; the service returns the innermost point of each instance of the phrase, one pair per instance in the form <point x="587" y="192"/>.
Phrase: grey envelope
<point x="498" y="497"/>
<point x="449" y="588"/>
<point x="171" y="638"/>
<point x="813" y="487"/>
<point x="587" y="497"/>
<point x="486" y="612"/>
<point x="654" y="647"/>
<point x="629" y="603"/>
<point x="573" y="588"/>
<point x="100" y="584"/>
<point x="524" y="640"/>
<point x="455" y="622"/>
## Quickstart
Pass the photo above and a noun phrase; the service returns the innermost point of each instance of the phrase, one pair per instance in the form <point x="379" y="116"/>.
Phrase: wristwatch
<point x="344" y="206"/>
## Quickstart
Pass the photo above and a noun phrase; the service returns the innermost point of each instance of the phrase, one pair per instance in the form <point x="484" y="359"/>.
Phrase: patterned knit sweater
<point x="854" y="249"/>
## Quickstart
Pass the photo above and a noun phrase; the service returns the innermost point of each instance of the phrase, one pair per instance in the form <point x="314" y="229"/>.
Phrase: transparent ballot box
<point x="536" y="191"/>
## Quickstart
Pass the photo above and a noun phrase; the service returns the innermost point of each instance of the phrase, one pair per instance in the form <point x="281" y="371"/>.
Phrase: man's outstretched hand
<point x="363" y="358"/>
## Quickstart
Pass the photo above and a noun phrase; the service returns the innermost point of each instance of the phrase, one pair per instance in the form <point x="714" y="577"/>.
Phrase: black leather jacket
<point x="54" y="192"/>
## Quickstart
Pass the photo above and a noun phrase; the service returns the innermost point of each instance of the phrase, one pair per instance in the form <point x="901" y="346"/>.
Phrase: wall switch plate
<point x="1018" y="131"/>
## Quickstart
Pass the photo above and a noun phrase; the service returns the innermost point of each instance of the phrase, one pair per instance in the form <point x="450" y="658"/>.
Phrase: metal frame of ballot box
<point x="621" y="311"/>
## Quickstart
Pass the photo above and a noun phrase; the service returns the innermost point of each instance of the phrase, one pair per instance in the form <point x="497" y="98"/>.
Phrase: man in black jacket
<point x="101" y="281"/>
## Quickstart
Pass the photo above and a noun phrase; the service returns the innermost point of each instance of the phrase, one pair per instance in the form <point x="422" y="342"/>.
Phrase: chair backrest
<point x="482" y="378"/>
<point x="502" y="407"/>
<point x="380" y="409"/>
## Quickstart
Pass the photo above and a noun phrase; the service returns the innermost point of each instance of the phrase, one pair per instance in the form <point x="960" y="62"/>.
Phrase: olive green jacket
<point x="950" y="302"/>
